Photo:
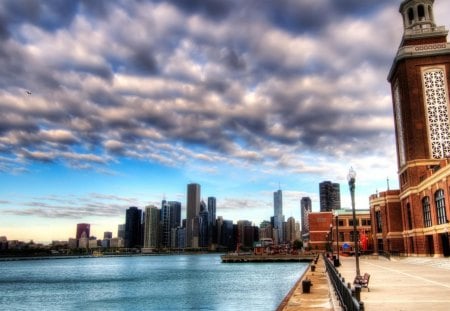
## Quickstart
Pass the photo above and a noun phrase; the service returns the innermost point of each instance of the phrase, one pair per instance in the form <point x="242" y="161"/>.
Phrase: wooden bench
<point x="363" y="281"/>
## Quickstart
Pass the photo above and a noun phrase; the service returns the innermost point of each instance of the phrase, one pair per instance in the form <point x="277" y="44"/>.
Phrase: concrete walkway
<point x="402" y="284"/>
<point x="319" y="296"/>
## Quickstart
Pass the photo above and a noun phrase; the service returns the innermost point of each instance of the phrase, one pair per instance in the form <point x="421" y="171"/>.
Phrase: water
<point x="184" y="282"/>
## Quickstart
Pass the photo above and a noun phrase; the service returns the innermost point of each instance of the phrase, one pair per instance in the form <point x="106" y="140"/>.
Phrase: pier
<point x="241" y="258"/>
<point x="399" y="283"/>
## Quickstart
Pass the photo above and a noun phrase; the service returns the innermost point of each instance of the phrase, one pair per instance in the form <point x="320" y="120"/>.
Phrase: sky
<point x="108" y="104"/>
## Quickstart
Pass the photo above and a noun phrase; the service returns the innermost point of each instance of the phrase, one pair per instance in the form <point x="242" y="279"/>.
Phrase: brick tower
<point x="419" y="79"/>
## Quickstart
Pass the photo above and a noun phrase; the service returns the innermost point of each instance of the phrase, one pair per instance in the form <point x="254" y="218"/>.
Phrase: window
<point x="341" y="236"/>
<point x="408" y="212"/>
<point x="440" y="207"/>
<point x="341" y="223"/>
<point x="379" y="223"/>
<point x="351" y="222"/>
<point x="421" y="12"/>
<point x="436" y="107"/>
<point x="426" y="212"/>
<point x="365" y="222"/>
<point x="352" y="236"/>
<point x="410" y="15"/>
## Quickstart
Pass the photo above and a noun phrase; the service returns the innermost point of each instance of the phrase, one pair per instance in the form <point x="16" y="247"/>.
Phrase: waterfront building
<point x="107" y="235"/>
<point x="121" y="231"/>
<point x="151" y="231"/>
<point x="306" y="209"/>
<point x="92" y="243"/>
<point x="170" y="219"/>
<point x="133" y="224"/>
<point x="212" y="210"/>
<point x="228" y="240"/>
<point x="330" y="196"/>
<point x="117" y="243"/>
<point x="413" y="220"/>
<point x="86" y="228"/>
<point x="3" y="243"/>
<point x="72" y="243"/>
<point x="83" y="241"/>
<point x="192" y="211"/>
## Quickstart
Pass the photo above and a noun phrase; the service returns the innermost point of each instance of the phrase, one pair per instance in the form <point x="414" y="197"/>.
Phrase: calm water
<point x="185" y="282"/>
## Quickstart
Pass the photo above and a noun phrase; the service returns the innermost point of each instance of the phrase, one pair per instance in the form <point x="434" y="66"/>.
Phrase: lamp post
<point x="351" y="183"/>
<point x="337" y="263"/>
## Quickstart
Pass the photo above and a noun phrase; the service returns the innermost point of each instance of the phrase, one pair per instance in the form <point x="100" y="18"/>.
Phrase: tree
<point x="297" y="244"/>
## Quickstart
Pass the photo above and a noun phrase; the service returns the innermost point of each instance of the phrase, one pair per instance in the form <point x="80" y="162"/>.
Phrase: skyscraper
<point x="330" y="196"/>
<point x="151" y="231"/>
<point x="133" y="220"/>
<point x="204" y="225"/>
<point x="306" y="209"/>
<point x="192" y="211"/>
<point x="212" y="210"/>
<point x="170" y="219"/>
<point x="278" y="217"/>
<point x="83" y="228"/>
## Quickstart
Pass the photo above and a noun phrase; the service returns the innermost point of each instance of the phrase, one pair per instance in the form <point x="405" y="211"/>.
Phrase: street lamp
<point x="351" y="183"/>
<point x="337" y="262"/>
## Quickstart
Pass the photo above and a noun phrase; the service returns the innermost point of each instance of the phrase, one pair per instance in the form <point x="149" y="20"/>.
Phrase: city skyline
<point x="279" y="95"/>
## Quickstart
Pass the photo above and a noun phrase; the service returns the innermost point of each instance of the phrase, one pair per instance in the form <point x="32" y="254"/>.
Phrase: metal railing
<point x="346" y="296"/>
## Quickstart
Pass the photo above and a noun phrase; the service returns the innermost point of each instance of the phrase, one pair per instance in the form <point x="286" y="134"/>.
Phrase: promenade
<point x="399" y="284"/>
<point x="405" y="284"/>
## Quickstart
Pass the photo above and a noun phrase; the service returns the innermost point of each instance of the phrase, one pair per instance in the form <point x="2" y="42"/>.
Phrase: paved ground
<point x="402" y="284"/>
<point x="319" y="296"/>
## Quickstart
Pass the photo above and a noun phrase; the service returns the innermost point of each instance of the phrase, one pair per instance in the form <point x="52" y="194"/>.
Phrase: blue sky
<point x="111" y="104"/>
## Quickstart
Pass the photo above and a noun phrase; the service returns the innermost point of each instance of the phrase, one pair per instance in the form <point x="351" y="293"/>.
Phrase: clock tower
<point x="419" y="80"/>
<point x="414" y="220"/>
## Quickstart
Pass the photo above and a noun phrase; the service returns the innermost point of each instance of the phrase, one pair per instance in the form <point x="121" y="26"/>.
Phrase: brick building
<point x="413" y="220"/>
<point x="326" y="227"/>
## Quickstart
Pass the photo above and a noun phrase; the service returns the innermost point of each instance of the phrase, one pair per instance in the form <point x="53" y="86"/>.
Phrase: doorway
<point x="445" y="246"/>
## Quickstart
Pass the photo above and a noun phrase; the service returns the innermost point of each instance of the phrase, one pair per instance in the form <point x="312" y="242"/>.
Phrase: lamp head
<point x="351" y="175"/>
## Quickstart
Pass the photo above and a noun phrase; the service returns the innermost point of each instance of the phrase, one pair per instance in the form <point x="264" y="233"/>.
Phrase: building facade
<point x="192" y="212"/>
<point x="305" y="209"/>
<point x="419" y="80"/>
<point x="330" y="196"/>
<point x="133" y="227"/>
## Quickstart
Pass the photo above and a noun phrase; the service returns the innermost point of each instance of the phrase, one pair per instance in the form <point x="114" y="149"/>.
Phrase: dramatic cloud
<point x="256" y="85"/>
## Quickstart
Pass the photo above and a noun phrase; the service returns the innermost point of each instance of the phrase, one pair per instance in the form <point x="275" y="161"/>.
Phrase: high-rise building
<point x="151" y="231"/>
<point x="133" y="221"/>
<point x="414" y="218"/>
<point x="107" y="235"/>
<point x="290" y="230"/>
<point x="278" y="217"/>
<point x="170" y="219"/>
<point x="306" y="209"/>
<point x="121" y="231"/>
<point x="86" y="228"/>
<point x="192" y="211"/>
<point x="330" y="196"/>
<point x="212" y="210"/>
<point x="204" y="226"/>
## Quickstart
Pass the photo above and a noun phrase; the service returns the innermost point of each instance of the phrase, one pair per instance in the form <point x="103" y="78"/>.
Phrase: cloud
<point x="253" y="84"/>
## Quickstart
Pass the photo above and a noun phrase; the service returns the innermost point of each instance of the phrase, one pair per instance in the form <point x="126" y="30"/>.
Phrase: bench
<point x="363" y="281"/>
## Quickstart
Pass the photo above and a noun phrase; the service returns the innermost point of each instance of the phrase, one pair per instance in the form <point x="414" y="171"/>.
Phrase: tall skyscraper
<point x="212" y="210"/>
<point x="306" y="209"/>
<point x="192" y="211"/>
<point x="83" y="228"/>
<point x="330" y="196"/>
<point x="121" y="231"/>
<point x="290" y="230"/>
<point x="204" y="226"/>
<point x="151" y="232"/>
<point x="170" y="219"/>
<point x="133" y="220"/>
<point x="278" y="217"/>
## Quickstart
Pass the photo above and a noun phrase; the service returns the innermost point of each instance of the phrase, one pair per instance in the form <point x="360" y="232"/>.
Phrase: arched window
<point x="440" y="207"/>
<point x="426" y="212"/>
<point x="430" y="13"/>
<point x="408" y="211"/>
<point x="421" y="12"/>
<point x="410" y="16"/>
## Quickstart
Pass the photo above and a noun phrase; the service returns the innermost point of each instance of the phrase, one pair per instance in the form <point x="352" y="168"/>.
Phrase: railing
<point x="344" y="292"/>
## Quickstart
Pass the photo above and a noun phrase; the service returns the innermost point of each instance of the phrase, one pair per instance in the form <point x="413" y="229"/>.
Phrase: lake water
<point x="181" y="282"/>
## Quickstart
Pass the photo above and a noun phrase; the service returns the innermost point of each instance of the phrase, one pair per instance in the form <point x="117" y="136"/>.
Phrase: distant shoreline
<point x="12" y="258"/>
